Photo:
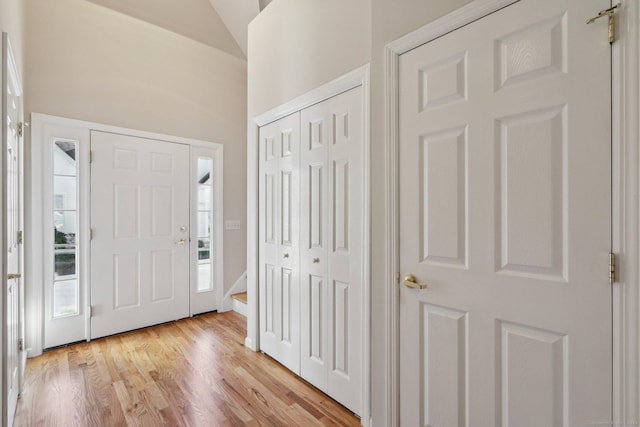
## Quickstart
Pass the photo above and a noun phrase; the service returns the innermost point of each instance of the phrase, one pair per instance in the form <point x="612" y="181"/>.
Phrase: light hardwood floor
<point x="193" y="372"/>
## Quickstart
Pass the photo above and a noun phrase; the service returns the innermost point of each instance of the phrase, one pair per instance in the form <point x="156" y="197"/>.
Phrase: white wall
<point x="91" y="63"/>
<point x="297" y="45"/>
<point x="12" y="22"/>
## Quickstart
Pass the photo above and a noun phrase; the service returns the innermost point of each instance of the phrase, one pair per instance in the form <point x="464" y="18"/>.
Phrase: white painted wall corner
<point x="240" y="285"/>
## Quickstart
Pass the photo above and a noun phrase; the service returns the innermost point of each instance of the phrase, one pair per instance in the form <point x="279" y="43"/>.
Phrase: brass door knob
<point x="410" y="281"/>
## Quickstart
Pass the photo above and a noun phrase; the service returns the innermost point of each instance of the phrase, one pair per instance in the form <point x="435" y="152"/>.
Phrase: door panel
<point x="279" y="274"/>
<point x="140" y="259"/>
<point x="443" y="190"/>
<point x="330" y="249"/>
<point x="505" y="215"/>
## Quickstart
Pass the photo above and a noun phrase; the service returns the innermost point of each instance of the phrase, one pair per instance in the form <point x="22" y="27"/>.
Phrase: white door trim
<point x="9" y="73"/>
<point x="626" y="203"/>
<point x="357" y="77"/>
<point x="626" y="215"/>
<point x="35" y="220"/>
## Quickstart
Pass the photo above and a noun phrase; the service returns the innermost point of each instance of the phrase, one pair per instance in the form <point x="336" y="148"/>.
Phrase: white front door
<point x="12" y="357"/>
<point x="505" y="199"/>
<point x="140" y="225"/>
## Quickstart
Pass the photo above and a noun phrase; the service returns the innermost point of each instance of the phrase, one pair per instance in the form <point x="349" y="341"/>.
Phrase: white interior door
<point x="331" y="200"/>
<point x="279" y="275"/>
<point x="13" y="290"/>
<point x="140" y="224"/>
<point x="505" y="198"/>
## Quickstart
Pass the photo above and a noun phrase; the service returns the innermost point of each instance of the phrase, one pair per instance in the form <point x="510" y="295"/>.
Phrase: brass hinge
<point x="610" y="14"/>
<point x="20" y="345"/>
<point x="612" y="267"/>
<point x="398" y="278"/>
<point x="19" y="237"/>
<point x="20" y="129"/>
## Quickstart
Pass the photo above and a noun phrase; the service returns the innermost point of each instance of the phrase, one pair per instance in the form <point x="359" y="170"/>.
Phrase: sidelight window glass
<point x="204" y="218"/>
<point x="65" y="227"/>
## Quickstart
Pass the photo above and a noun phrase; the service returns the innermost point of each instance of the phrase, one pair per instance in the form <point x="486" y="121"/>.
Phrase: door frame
<point x="9" y="72"/>
<point x="625" y="201"/>
<point x="355" y="78"/>
<point x="35" y="220"/>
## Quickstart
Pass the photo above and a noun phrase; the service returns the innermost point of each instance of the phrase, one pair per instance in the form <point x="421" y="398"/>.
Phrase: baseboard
<point x="248" y="342"/>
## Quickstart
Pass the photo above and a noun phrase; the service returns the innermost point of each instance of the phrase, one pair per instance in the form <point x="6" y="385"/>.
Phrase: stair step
<point x="242" y="297"/>
<point x="240" y="303"/>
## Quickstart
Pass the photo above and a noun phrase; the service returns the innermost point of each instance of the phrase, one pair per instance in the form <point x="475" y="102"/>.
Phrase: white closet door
<point x="331" y="252"/>
<point x="279" y="234"/>
<point x="140" y="222"/>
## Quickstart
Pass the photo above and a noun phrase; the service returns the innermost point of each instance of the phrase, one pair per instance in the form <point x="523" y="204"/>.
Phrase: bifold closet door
<point x="279" y="218"/>
<point x="331" y="200"/>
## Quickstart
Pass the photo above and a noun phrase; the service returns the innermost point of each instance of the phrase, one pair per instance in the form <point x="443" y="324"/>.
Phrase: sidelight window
<point x="65" y="226"/>
<point x="205" y="213"/>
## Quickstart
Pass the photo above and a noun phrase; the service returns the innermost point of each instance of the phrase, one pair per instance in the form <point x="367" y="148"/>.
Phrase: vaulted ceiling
<point x="221" y="24"/>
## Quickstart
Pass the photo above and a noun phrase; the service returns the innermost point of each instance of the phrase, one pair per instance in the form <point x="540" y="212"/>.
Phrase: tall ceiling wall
<point x="195" y="19"/>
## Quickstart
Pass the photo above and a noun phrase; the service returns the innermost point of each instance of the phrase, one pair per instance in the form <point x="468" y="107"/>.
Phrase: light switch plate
<point x="233" y="224"/>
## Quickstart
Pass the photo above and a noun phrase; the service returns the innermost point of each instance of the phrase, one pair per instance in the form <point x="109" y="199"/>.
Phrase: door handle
<point x="181" y="242"/>
<point x="316" y="260"/>
<point x="12" y="276"/>
<point x="411" y="282"/>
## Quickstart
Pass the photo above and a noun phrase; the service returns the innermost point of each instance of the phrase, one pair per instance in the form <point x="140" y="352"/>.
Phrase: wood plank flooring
<point x="193" y="372"/>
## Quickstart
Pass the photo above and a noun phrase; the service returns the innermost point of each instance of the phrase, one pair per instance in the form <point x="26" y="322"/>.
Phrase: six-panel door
<point x="279" y="276"/>
<point x="331" y="206"/>
<point x="140" y="226"/>
<point x="505" y="198"/>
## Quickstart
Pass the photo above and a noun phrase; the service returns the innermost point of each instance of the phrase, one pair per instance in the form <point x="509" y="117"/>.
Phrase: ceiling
<point x="221" y="24"/>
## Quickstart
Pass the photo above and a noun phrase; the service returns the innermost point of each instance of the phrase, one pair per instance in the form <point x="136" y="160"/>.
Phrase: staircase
<point x="240" y="303"/>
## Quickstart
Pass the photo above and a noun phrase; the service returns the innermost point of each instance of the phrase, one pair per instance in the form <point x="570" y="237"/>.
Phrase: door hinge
<point x="398" y="277"/>
<point x="20" y="345"/>
<point x="20" y="129"/>
<point x="19" y="237"/>
<point x="91" y="234"/>
<point x="91" y="156"/>
<point x="90" y="311"/>
<point x="611" y="28"/>
<point x="612" y="268"/>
